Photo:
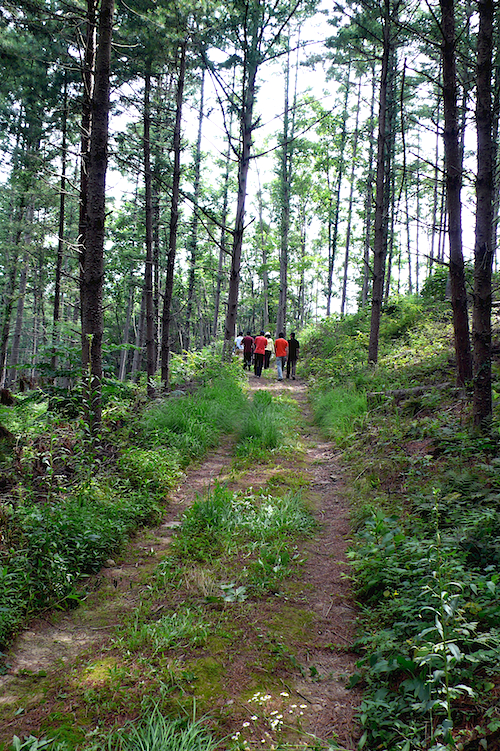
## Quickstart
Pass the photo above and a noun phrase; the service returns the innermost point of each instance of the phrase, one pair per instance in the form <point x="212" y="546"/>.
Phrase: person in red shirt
<point x="260" y="344"/>
<point x="247" y="351"/>
<point x="281" y="350"/>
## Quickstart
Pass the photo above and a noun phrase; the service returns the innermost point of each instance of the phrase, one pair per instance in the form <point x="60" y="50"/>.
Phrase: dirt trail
<point x="51" y="645"/>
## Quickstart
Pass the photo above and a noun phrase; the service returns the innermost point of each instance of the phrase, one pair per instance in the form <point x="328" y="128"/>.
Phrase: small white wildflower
<point x="246" y="725"/>
<point x="275" y="711"/>
<point x="254" y="717"/>
<point x="284" y="693"/>
<point x="293" y="706"/>
<point x="303" y="706"/>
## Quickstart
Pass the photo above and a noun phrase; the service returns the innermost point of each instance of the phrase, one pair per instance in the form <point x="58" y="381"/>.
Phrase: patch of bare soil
<point x="48" y="648"/>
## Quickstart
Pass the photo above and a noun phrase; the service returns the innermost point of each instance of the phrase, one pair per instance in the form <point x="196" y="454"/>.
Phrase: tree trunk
<point x="95" y="220"/>
<point x="435" y="196"/>
<point x="9" y="293"/>
<point x="351" y="199"/>
<point x="122" y="370"/>
<point x="156" y="269"/>
<point x="18" y="326"/>
<point x="340" y="176"/>
<point x="380" y="230"/>
<point x="408" y="239"/>
<point x="223" y="231"/>
<point x="483" y="256"/>
<point x="246" y="128"/>
<point x="139" y="339"/>
<point x="453" y="177"/>
<point x="369" y="200"/>
<point x="265" y="275"/>
<point x="391" y="209"/>
<point x="148" y="268"/>
<point x="88" y="71"/>
<point x="193" y="240"/>
<point x="285" y="186"/>
<point x="60" y="241"/>
<point x="174" y="220"/>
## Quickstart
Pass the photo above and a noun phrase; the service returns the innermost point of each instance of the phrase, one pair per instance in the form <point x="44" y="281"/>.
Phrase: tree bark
<point x="95" y="220"/>
<point x="60" y="240"/>
<point x="483" y="255"/>
<point x="368" y="201"/>
<point x="223" y="231"/>
<point x="340" y="176"/>
<point x="380" y="222"/>
<point x="9" y="292"/>
<point x="246" y="128"/>
<point x="88" y="72"/>
<point x="285" y="186"/>
<point x="351" y="199"/>
<point x="18" y="326"/>
<point x="193" y="240"/>
<point x="174" y="220"/>
<point x="139" y="339"/>
<point x="122" y="370"/>
<point x="265" y="274"/>
<point x="148" y="267"/>
<point x="453" y="177"/>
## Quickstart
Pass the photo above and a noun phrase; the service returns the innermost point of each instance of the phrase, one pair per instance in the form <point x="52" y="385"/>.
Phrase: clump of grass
<point x="155" y="732"/>
<point x="263" y="426"/>
<point x="257" y="524"/>
<point x="185" y="626"/>
<point x="193" y="423"/>
<point x="339" y="411"/>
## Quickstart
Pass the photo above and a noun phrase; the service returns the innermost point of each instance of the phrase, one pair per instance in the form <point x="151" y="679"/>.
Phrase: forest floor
<point x="63" y="668"/>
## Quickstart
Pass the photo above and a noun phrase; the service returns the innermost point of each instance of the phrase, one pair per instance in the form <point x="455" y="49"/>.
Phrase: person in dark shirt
<point x="293" y="355"/>
<point x="247" y="351"/>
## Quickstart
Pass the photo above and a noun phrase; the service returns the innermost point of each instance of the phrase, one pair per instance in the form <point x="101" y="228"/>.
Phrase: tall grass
<point x="262" y="428"/>
<point x="193" y="423"/>
<point x="224" y="522"/>
<point x="158" y="733"/>
<point x="339" y="411"/>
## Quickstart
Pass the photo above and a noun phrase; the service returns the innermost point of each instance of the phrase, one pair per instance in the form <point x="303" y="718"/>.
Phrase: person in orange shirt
<point x="260" y="344"/>
<point x="281" y="350"/>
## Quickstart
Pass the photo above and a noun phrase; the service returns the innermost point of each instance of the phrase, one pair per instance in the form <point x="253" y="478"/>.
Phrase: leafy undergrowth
<point x="426" y="505"/>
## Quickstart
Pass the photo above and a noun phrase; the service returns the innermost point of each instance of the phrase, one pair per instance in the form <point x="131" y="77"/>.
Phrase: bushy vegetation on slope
<point x="425" y="494"/>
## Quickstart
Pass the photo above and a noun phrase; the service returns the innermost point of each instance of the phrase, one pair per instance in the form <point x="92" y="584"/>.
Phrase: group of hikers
<point x="256" y="352"/>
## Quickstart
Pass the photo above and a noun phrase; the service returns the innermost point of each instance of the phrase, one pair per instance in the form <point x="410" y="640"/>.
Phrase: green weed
<point x="156" y="469"/>
<point x="339" y="411"/>
<point x="191" y="424"/>
<point x="158" y="733"/>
